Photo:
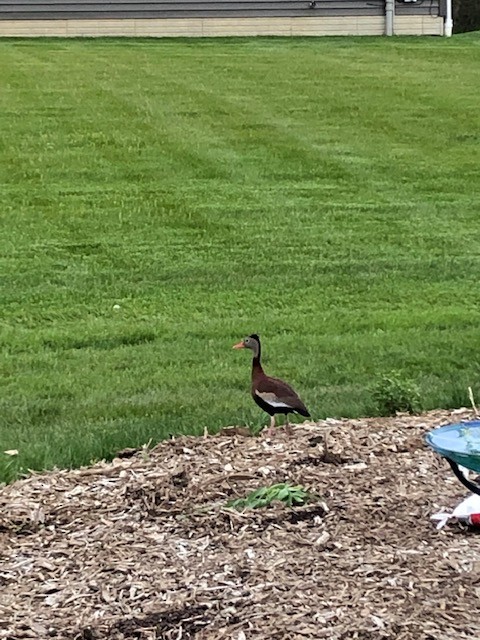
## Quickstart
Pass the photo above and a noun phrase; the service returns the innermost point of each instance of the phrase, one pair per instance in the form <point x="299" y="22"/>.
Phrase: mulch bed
<point x="145" y="548"/>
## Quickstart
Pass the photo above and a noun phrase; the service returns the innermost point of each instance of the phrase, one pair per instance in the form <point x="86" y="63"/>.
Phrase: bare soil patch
<point x="144" y="547"/>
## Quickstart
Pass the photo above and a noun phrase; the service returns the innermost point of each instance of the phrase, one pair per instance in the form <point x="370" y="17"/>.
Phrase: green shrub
<point x="466" y="16"/>
<point x="393" y="392"/>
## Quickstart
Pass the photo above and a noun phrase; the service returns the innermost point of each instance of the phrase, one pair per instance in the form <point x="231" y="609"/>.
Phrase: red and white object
<point x="467" y="511"/>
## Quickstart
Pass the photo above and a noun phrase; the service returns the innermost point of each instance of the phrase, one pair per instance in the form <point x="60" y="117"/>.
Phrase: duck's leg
<point x="271" y="430"/>
<point x="288" y="426"/>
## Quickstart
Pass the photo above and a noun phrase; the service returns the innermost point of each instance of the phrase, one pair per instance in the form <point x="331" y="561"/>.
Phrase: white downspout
<point x="389" y="14"/>
<point x="448" y="20"/>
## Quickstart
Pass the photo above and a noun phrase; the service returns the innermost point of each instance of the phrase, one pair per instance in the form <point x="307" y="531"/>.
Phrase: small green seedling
<point x="263" y="497"/>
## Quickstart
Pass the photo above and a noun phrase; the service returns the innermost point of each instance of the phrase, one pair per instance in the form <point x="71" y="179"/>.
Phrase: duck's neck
<point x="256" y="364"/>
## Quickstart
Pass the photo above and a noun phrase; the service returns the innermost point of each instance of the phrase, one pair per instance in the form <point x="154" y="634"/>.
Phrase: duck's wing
<point x="280" y="395"/>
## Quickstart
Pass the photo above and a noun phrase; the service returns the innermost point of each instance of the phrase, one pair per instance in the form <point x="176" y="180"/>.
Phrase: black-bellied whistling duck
<point x="271" y="394"/>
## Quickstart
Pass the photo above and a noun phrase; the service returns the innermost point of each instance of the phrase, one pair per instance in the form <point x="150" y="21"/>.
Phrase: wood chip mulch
<point x="144" y="547"/>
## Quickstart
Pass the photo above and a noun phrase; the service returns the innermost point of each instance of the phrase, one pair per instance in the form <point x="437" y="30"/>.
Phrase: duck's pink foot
<point x="271" y="429"/>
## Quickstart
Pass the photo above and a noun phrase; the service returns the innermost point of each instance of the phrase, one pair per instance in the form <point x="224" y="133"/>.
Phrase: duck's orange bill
<point x="240" y="345"/>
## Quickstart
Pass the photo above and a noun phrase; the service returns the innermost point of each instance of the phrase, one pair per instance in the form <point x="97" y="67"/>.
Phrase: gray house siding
<point x="139" y="9"/>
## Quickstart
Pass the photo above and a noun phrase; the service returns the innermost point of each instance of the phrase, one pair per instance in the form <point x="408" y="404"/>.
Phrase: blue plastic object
<point x="459" y="443"/>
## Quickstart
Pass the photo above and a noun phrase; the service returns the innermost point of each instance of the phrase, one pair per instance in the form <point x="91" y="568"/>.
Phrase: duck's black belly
<point x="268" y="407"/>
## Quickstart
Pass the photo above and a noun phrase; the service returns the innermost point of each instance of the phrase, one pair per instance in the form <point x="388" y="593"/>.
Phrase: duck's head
<point x="250" y="342"/>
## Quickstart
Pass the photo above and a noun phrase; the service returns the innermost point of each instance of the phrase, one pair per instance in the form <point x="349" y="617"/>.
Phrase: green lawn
<point x="324" y="193"/>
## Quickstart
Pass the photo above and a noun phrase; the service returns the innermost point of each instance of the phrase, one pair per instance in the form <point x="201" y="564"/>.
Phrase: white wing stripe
<point x="278" y="404"/>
